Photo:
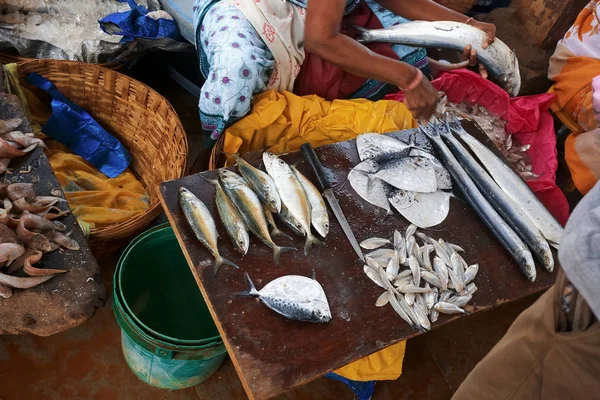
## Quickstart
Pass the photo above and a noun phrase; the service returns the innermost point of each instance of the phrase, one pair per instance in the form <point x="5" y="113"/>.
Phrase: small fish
<point x="202" y="224"/>
<point x="448" y="308"/>
<point x="432" y="278"/>
<point x="425" y="255"/>
<point x="471" y="273"/>
<point x="460" y="301"/>
<point x="421" y="316"/>
<point x="434" y="315"/>
<point x="392" y="268"/>
<point x="441" y="252"/>
<point x="410" y="230"/>
<point x="372" y="190"/>
<point x="413" y="289"/>
<point x="410" y="299"/>
<point x="292" y="194"/>
<point x="399" y="305"/>
<point x="374" y="243"/>
<point x="250" y="208"/>
<point x="261" y="182"/>
<point x="293" y="296"/>
<point x="381" y="253"/>
<point x="403" y="280"/>
<point x="385" y="280"/>
<point x="319" y="216"/>
<point x="469" y="290"/>
<point x="457" y="266"/>
<point x="432" y="298"/>
<point x="373" y="275"/>
<point x="383" y="299"/>
<point x="415" y="269"/>
<point x="232" y="220"/>
<point x="404" y="274"/>
<point x="457" y="283"/>
<point x="400" y="247"/>
<point x="509" y="142"/>
<point x="410" y="243"/>
<point x="455" y="247"/>
<point x="275" y="231"/>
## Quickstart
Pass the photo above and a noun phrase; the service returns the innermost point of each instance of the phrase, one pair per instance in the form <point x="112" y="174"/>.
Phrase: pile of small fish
<point x="498" y="195"/>
<point x="425" y="288"/>
<point x="495" y="128"/>
<point x="28" y="230"/>
<point x="247" y="203"/>
<point x="15" y="143"/>
<point x="404" y="173"/>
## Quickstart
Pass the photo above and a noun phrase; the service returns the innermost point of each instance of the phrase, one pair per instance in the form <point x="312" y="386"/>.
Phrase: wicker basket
<point x="139" y="117"/>
<point x="6" y="58"/>
<point x="461" y="6"/>
<point x="216" y="153"/>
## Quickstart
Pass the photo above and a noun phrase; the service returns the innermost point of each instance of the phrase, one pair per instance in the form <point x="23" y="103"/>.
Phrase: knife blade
<point x="311" y="157"/>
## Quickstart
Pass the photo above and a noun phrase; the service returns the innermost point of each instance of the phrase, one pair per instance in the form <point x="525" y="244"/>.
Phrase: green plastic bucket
<point x="168" y="336"/>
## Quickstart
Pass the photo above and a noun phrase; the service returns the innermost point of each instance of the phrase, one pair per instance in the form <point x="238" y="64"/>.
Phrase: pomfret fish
<point x="250" y="208"/>
<point x="319" y="216"/>
<point x="409" y="173"/>
<point x="498" y="58"/>
<point x="444" y="180"/>
<point x="422" y="209"/>
<point x="373" y="146"/>
<point x="202" y="224"/>
<point x="261" y="182"/>
<point x="292" y="194"/>
<point x="514" y="186"/>
<point x="371" y="189"/>
<point x="293" y="296"/>
<point x="231" y="218"/>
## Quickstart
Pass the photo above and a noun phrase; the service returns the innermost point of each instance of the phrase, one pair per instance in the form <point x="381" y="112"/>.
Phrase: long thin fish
<point x="319" y="216"/>
<point x="514" y="186"/>
<point x="498" y="58"/>
<point x="261" y="182"/>
<point x="202" y="224"/>
<point x="499" y="199"/>
<point x="501" y="230"/>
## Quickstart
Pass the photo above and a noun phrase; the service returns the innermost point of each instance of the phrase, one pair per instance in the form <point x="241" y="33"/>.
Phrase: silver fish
<point x="471" y="273"/>
<point x="444" y="179"/>
<point x="422" y="209"/>
<point x="426" y="256"/>
<point x="291" y="222"/>
<point x="261" y="182"/>
<point x="409" y="298"/>
<point x="381" y="254"/>
<point x="410" y="243"/>
<point x="292" y="194"/>
<point x="293" y="296"/>
<point x="383" y="299"/>
<point x="372" y="190"/>
<point x="460" y="301"/>
<point x="456" y="247"/>
<point x="250" y="208"/>
<point x="432" y="298"/>
<point x="413" y="289"/>
<point x="373" y="146"/>
<point x="469" y="290"/>
<point x="432" y="278"/>
<point x="373" y="275"/>
<point x="374" y="243"/>
<point x="400" y="306"/>
<point x="393" y="268"/>
<point x="441" y="270"/>
<point x="514" y="186"/>
<point x="503" y="232"/>
<point x="403" y="280"/>
<point x="414" y="174"/>
<point x="457" y="283"/>
<point x="421" y="316"/>
<point x="448" y="308"/>
<point x="232" y="220"/>
<point x="203" y="225"/>
<point x="400" y="247"/>
<point x="498" y="58"/>
<point x="410" y="230"/>
<point x="275" y="232"/>
<point x="415" y="269"/>
<point x="319" y="216"/>
<point x="457" y="267"/>
<point x="441" y="252"/>
<point x="385" y="280"/>
<point x="502" y="202"/>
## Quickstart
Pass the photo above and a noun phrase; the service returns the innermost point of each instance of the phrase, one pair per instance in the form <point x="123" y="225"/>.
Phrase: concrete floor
<point x="86" y="362"/>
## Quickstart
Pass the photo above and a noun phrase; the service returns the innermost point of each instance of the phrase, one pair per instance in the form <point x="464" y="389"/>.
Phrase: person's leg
<point x="235" y="63"/>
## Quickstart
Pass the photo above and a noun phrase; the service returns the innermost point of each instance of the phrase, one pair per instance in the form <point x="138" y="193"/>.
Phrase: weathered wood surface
<point x="273" y="354"/>
<point x="68" y="299"/>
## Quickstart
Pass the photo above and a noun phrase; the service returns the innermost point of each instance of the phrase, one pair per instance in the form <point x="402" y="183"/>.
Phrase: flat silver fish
<point x="400" y="306"/>
<point x="444" y="179"/>
<point x="414" y="174"/>
<point x="319" y="216"/>
<point x="422" y="209"/>
<point x="373" y="190"/>
<point x="471" y="273"/>
<point x="373" y="275"/>
<point x="498" y="58"/>
<point x="374" y="243"/>
<point x="293" y="296"/>
<point x="203" y="225"/>
<point x="373" y="146"/>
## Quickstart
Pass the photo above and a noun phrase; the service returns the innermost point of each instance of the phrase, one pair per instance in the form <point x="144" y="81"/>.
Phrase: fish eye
<point x="273" y="201"/>
<point x="241" y="242"/>
<point x="281" y="162"/>
<point x="319" y="313"/>
<point x="326" y="226"/>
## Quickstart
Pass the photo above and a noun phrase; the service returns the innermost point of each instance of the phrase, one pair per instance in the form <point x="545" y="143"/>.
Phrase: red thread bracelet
<point x="415" y="82"/>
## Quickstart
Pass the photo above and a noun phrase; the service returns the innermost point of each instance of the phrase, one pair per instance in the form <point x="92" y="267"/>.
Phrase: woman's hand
<point x="471" y="54"/>
<point x="422" y="100"/>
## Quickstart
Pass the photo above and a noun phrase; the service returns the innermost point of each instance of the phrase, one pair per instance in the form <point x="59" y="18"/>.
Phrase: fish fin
<point x="311" y="240"/>
<point x="277" y="250"/>
<point x="251" y="291"/>
<point x="222" y="261"/>
<point x="211" y="181"/>
<point x="277" y="233"/>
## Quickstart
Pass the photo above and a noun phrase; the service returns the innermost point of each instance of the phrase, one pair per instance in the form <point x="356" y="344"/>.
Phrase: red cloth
<point x="528" y="119"/>
<point x="324" y="79"/>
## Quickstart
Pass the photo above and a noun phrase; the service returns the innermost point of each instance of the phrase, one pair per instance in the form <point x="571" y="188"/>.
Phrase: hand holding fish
<point x="471" y="54"/>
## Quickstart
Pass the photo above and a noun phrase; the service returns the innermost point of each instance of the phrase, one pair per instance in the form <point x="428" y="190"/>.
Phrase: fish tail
<point x="363" y="33"/>
<point x="311" y="240"/>
<point x="277" y="233"/>
<point x="251" y="291"/>
<point x="277" y="250"/>
<point x="222" y="261"/>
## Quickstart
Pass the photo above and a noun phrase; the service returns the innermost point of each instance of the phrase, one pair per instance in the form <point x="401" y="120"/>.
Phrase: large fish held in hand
<point x="500" y="61"/>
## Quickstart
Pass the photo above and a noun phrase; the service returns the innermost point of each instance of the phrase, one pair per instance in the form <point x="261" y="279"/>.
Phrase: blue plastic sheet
<point x="134" y="24"/>
<point x="72" y="126"/>
<point x="362" y="390"/>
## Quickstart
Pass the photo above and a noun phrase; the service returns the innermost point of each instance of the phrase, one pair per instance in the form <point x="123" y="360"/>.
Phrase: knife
<point x="311" y="157"/>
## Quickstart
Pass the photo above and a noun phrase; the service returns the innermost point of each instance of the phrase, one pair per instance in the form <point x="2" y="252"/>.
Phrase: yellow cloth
<point x="95" y="199"/>
<point x="281" y="122"/>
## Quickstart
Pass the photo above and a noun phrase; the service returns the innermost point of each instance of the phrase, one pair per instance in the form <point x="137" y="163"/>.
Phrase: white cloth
<point x="280" y="24"/>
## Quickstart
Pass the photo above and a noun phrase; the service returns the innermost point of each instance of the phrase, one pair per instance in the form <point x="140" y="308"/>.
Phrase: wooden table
<point x="68" y="299"/>
<point x="272" y="354"/>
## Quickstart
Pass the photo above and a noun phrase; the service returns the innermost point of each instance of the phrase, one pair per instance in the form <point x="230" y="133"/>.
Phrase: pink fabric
<point x="528" y="119"/>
